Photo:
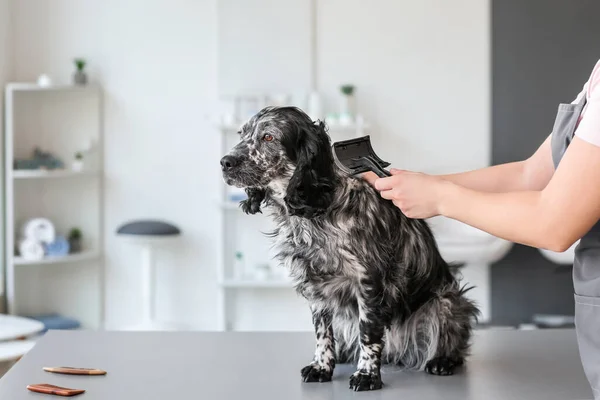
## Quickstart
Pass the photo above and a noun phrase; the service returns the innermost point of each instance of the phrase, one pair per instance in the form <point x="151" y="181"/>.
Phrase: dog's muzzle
<point x="229" y="163"/>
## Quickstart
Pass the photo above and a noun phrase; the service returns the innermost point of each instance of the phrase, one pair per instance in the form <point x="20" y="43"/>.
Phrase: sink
<point x="566" y="257"/>
<point x="462" y="243"/>
<point x="476" y="250"/>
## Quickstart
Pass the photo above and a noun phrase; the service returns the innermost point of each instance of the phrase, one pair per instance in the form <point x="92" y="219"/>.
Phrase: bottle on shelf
<point x="238" y="265"/>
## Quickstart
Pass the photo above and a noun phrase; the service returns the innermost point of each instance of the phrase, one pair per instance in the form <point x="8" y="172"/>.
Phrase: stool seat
<point x="148" y="228"/>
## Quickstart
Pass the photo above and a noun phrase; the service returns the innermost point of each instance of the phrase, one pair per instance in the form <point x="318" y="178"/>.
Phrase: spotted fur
<point x="377" y="286"/>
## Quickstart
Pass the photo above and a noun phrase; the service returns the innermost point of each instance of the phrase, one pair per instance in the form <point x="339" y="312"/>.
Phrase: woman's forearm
<point x="499" y="214"/>
<point x="499" y="178"/>
<point x="531" y="174"/>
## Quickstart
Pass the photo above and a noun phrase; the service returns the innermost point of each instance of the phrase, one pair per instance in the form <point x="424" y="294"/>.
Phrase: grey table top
<point x="541" y="364"/>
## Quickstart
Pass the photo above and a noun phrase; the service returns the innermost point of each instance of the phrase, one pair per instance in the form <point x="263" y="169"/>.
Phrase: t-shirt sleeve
<point x="589" y="127"/>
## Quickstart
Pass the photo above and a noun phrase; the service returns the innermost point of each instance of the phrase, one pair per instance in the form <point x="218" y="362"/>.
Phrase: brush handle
<point x="375" y="167"/>
<point x="382" y="173"/>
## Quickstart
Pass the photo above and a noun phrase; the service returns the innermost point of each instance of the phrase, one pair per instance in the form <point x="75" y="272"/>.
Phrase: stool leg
<point x="147" y="284"/>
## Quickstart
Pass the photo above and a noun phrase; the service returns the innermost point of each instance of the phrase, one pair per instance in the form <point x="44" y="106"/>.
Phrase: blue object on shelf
<point x="55" y="321"/>
<point x="58" y="248"/>
<point x="39" y="160"/>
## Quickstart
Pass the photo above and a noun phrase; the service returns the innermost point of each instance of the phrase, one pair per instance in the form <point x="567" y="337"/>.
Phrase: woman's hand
<point x="417" y="195"/>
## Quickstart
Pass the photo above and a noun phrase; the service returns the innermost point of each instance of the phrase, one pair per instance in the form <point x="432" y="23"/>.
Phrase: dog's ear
<point x="311" y="188"/>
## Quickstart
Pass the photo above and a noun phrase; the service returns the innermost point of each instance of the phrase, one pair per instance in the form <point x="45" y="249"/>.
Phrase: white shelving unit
<point x="234" y="220"/>
<point x="62" y="120"/>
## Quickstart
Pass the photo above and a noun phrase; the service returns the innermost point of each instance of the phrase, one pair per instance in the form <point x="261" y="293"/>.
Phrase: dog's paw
<point x="360" y="381"/>
<point x="441" y="366"/>
<point x="250" y="207"/>
<point x="252" y="204"/>
<point x="315" y="373"/>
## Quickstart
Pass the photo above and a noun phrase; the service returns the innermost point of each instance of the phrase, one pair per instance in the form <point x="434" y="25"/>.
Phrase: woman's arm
<point x="552" y="218"/>
<point x="531" y="174"/>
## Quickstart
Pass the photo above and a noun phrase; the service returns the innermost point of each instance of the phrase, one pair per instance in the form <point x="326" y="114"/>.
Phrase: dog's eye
<point x="268" y="137"/>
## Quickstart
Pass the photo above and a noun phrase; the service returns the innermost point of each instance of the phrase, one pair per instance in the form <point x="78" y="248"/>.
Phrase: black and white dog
<point x="378" y="289"/>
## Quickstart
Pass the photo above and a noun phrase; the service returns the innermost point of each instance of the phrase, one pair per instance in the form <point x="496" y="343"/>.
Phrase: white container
<point x="239" y="269"/>
<point x="77" y="165"/>
<point x="315" y="108"/>
<point x="346" y="109"/>
<point x="44" y="80"/>
<point x="262" y="272"/>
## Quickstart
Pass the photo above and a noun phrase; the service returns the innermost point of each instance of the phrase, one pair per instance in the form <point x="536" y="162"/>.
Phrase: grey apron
<point x="586" y="266"/>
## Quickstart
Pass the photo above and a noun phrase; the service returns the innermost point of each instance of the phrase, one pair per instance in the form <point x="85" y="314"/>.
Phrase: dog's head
<point x="281" y="148"/>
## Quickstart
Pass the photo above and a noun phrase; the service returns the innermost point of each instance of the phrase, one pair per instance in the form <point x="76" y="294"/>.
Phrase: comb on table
<point x="46" y="388"/>
<point x="75" y="371"/>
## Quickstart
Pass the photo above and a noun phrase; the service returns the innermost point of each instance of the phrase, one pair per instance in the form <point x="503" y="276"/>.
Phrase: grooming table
<point x="542" y="364"/>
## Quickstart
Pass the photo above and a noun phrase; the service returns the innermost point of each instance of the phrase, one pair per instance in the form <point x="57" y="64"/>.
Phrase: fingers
<point x="387" y="194"/>
<point x="370" y="177"/>
<point x="382" y="184"/>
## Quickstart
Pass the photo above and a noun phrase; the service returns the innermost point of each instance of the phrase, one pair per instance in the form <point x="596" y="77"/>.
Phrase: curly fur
<point x="377" y="286"/>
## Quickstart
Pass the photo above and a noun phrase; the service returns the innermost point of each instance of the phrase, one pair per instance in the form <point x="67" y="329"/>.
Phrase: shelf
<point x="34" y="87"/>
<point x="331" y="128"/>
<point x="51" y="174"/>
<point x="256" y="284"/>
<point x="71" y="258"/>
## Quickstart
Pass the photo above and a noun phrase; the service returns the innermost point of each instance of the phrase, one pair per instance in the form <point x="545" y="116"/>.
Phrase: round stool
<point x="147" y="234"/>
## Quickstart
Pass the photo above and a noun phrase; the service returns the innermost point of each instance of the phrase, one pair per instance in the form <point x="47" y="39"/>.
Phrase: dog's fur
<point x="378" y="289"/>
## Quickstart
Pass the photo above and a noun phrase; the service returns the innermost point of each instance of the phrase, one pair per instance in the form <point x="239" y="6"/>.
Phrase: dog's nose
<point x="229" y="162"/>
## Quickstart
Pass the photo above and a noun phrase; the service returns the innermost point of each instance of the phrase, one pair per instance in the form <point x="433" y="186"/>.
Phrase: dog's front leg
<point x="321" y="368"/>
<point x="371" y="328"/>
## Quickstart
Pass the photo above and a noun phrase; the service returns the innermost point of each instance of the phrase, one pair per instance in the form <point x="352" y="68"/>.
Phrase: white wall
<point x="421" y="69"/>
<point x="157" y="62"/>
<point x="422" y="72"/>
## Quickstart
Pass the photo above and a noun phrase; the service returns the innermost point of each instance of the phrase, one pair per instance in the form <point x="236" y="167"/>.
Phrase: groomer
<point x="548" y="201"/>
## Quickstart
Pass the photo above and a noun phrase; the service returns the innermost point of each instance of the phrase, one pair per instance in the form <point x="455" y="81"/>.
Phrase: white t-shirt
<point x="588" y="127"/>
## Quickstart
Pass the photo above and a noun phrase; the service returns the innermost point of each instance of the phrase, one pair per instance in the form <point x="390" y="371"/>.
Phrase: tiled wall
<point x="542" y="53"/>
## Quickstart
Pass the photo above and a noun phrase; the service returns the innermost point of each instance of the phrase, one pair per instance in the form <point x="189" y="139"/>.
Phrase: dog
<point x="378" y="288"/>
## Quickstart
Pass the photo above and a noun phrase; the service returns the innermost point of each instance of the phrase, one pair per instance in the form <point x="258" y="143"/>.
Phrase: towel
<point x="39" y="229"/>
<point x="31" y="249"/>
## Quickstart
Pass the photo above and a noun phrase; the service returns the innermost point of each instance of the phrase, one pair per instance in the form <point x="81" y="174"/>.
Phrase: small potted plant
<point x="78" y="162"/>
<point x="80" y="77"/>
<point x="75" y="240"/>
<point x="346" y="113"/>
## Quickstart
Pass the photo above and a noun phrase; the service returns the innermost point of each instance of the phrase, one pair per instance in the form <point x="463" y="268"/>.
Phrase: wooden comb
<point x="75" y="371"/>
<point x="55" y="390"/>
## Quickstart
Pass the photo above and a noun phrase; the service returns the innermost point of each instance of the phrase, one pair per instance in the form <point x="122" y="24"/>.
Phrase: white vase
<point x="346" y="109"/>
<point x="315" y="110"/>
<point x="262" y="272"/>
<point x="77" y="165"/>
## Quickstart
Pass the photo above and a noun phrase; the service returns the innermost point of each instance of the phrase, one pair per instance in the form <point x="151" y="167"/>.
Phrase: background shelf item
<point x="71" y="258"/>
<point x="62" y="120"/>
<point x="52" y="174"/>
